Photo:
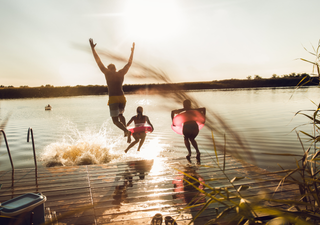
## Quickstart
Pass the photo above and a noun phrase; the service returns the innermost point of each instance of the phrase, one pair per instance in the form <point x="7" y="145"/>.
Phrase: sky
<point x="47" y="42"/>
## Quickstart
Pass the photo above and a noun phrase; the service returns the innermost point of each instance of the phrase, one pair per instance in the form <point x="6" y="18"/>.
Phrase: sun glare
<point x="152" y="20"/>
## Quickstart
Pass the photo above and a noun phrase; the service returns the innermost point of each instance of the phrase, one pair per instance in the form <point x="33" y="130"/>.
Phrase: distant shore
<point x="65" y="91"/>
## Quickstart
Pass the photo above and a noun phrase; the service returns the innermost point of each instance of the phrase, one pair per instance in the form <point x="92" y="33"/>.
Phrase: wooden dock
<point x="133" y="192"/>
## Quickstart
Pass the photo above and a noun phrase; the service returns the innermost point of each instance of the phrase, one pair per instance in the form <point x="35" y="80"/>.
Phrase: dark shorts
<point x="190" y="129"/>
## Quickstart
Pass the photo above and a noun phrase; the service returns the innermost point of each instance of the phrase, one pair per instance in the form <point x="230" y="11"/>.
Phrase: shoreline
<point x="67" y="91"/>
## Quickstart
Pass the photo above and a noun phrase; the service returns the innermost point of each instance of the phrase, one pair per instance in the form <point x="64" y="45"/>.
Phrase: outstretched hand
<point x="133" y="45"/>
<point x="91" y="43"/>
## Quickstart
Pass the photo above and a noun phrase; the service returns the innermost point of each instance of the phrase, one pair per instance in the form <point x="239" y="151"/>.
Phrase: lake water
<point x="79" y="130"/>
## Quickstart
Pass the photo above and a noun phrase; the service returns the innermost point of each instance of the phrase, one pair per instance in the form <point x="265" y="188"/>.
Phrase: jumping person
<point x="139" y="121"/>
<point x="117" y="100"/>
<point x="190" y="129"/>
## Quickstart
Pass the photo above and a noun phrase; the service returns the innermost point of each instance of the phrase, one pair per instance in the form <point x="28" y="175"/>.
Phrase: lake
<point x="256" y="124"/>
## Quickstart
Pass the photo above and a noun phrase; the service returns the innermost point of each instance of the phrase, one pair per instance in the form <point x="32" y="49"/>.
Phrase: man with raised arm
<point x="117" y="100"/>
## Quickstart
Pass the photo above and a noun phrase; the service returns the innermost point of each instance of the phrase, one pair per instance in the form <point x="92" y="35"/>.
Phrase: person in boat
<point x="190" y="129"/>
<point x="139" y="120"/>
<point x="117" y="100"/>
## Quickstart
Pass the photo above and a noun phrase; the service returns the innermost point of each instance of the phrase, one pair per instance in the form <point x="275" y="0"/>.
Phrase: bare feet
<point x="188" y="158"/>
<point x="198" y="159"/>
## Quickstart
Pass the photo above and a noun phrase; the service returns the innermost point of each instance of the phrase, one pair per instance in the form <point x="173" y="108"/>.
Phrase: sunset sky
<point x="46" y="41"/>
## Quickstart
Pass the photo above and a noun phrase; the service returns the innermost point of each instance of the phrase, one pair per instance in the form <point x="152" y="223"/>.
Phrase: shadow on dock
<point x="133" y="192"/>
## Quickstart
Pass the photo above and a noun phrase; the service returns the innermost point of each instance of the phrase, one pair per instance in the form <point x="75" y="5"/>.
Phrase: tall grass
<point x="304" y="210"/>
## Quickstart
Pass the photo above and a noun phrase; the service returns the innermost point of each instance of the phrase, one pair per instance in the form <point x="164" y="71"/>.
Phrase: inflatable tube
<point x="145" y="129"/>
<point x="190" y="115"/>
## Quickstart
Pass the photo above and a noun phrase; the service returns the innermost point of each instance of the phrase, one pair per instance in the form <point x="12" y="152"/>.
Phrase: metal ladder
<point x="30" y="131"/>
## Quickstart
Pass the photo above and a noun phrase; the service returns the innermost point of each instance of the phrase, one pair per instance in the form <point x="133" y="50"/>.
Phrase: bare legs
<point x="187" y="144"/>
<point x="195" y="145"/>
<point x="122" y="119"/>
<point x="141" y="142"/>
<point x="131" y="145"/>
<point x="190" y="132"/>
<point x="121" y="125"/>
<point x="137" y="136"/>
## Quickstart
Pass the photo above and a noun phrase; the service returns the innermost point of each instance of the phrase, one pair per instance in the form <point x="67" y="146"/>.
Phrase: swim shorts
<point x="190" y="129"/>
<point x="117" y="105"/>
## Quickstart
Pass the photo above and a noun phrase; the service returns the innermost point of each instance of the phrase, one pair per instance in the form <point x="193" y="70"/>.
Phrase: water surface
<point x="79" y="130"/>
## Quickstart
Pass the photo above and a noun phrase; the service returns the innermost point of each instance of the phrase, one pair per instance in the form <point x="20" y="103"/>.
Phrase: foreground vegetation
<point x="304" y="209"/>
<point x="51" y="91"/>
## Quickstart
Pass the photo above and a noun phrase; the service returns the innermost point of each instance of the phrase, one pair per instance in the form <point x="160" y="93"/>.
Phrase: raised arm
<point x="125" y="69"/>
<point x="95" y="55"/>
<point x="131" y="55"/>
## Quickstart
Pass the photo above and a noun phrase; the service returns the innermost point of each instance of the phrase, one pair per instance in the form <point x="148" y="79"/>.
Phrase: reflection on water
<point x="79" y="130"/>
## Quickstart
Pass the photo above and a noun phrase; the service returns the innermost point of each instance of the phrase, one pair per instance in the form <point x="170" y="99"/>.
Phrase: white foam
<point x="93" y="146"/>
<point x="82" y="147"/>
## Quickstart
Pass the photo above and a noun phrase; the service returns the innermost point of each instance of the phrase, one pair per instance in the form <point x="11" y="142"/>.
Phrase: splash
<point x="82" y="148"/>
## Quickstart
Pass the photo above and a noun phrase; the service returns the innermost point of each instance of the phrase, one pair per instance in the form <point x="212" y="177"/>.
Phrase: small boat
<point x="48" y="107"/>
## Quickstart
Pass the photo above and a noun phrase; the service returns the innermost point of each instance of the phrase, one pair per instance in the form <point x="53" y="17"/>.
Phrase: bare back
<point x="138" y="120"/>
<point x="114" y="82"/>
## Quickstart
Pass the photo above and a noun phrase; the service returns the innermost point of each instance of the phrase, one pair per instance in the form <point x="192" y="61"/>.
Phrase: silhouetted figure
<point x="117" y="100"/>
<point x="139" y="120"/>
<point x="190" y="129"/>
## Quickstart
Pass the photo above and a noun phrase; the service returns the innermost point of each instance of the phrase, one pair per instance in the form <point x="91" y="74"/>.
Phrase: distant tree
<point x="275" y="76"/>
<point x="249" y="77"/>
<point x="10" y="86"/>
<point x="257" y="77"/>
<point x="1" y="86"/>
<point x="292" y="75"/>
<point x="48" y="85"/>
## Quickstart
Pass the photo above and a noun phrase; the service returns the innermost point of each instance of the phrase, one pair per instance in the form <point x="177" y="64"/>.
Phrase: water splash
<point x="82" y="147"/>
<point x="90" y="146"/>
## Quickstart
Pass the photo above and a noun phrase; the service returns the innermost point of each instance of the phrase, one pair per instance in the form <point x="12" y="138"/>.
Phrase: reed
<point x="304" y="210"/>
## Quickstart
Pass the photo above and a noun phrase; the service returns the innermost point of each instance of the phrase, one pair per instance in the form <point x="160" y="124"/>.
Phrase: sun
<point x="152" y="20"/>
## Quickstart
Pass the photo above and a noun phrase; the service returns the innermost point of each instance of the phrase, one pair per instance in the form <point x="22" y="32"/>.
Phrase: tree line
<point x="65" y="91"/>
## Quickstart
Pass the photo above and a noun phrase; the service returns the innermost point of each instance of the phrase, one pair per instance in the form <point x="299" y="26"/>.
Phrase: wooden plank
<point x="132" y="192"/>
